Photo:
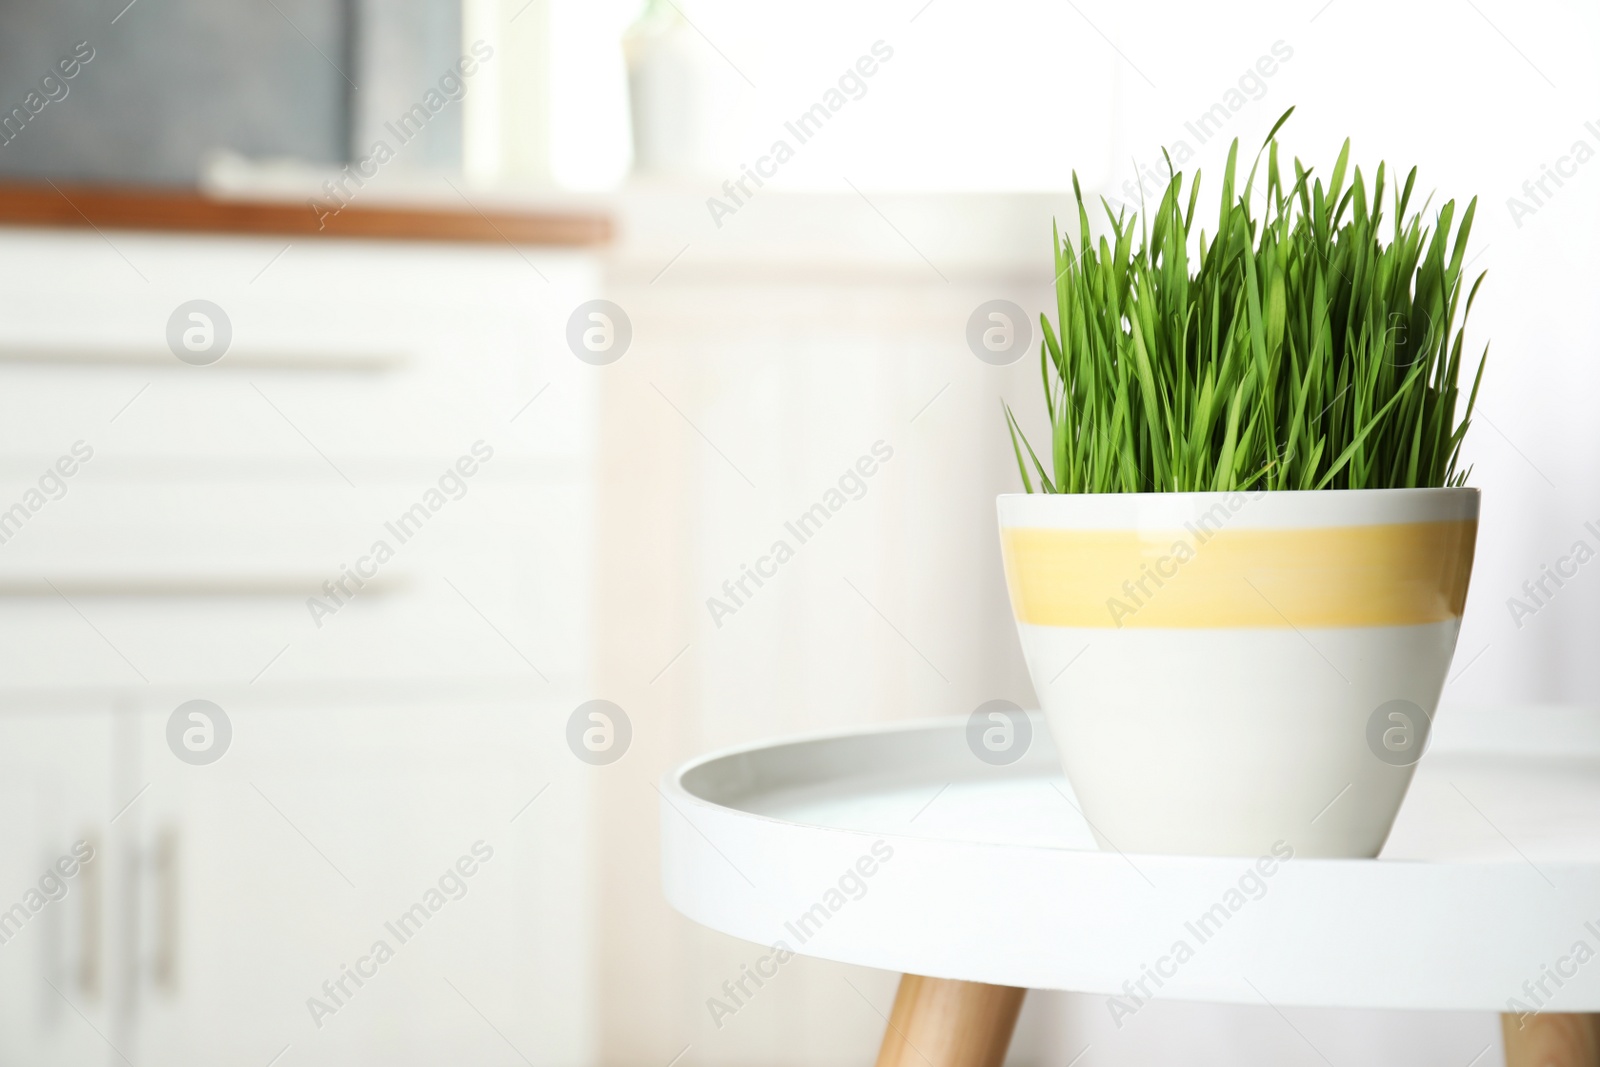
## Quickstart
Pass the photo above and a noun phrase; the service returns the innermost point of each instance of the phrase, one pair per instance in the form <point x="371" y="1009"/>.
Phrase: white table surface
<point x="1489" y="880"/>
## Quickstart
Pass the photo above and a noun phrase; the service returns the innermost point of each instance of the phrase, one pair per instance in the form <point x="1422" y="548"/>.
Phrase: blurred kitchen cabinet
<point x="57" y="990"/>
<point x="389" y="719"/>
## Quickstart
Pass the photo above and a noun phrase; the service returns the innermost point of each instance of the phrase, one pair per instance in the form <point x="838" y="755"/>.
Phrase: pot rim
<point x="1246" y="509"/>
<point x="1469" y="490"/>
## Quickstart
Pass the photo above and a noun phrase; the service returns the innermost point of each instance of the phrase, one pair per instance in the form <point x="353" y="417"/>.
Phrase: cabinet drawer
<point x="120" y="581"/>
<point x="354" y="350"/>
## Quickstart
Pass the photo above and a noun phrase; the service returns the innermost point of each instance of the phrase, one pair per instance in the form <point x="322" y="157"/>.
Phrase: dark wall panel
<point x="171" y="80"/>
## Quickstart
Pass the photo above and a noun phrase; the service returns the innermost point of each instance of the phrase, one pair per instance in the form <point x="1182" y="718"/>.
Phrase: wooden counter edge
<point x="189" y="211"/>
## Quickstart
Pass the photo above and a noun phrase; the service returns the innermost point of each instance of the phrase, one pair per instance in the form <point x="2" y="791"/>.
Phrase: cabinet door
<point x="364" y="879"/>
<point x="57" y="992"/>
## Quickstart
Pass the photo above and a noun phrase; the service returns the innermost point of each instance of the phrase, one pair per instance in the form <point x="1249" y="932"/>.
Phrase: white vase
<point x="1226" y="672"/>
<point x="669" y="95"/>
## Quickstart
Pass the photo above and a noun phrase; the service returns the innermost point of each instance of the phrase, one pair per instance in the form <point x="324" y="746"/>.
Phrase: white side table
<point x="898" y="848"/>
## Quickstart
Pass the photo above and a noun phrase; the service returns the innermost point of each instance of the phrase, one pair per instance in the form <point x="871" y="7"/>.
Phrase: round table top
<point x="894" y="847"/>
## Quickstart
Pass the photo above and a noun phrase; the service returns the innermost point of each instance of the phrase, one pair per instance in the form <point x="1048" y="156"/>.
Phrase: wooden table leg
<point x="1551" y="1040"/>
<point x="940" y="1022"/>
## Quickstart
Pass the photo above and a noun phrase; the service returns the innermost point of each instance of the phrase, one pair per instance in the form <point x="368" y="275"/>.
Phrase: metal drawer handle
<point x="164" y="869"/>
<point x="92" y="935"/>
<point x="186" y="586"/>
<point x="109" y="356"/>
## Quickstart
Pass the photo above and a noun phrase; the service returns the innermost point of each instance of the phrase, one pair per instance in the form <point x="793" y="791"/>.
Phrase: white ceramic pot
<point x="1226" y="671"/>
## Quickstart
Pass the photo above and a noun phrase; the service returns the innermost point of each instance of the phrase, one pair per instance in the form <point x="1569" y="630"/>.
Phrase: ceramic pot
<point x="1225" y="672"/>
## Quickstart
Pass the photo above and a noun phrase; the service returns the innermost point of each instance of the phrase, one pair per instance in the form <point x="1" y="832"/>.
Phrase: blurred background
<point x="285" y="281"/>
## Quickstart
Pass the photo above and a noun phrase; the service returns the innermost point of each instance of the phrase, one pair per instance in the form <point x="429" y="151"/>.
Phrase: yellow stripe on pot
<point x="1389" y="575"/>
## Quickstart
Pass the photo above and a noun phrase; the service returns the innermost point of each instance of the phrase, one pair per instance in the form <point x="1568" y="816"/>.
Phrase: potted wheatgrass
<point x="1248" y="533"/>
